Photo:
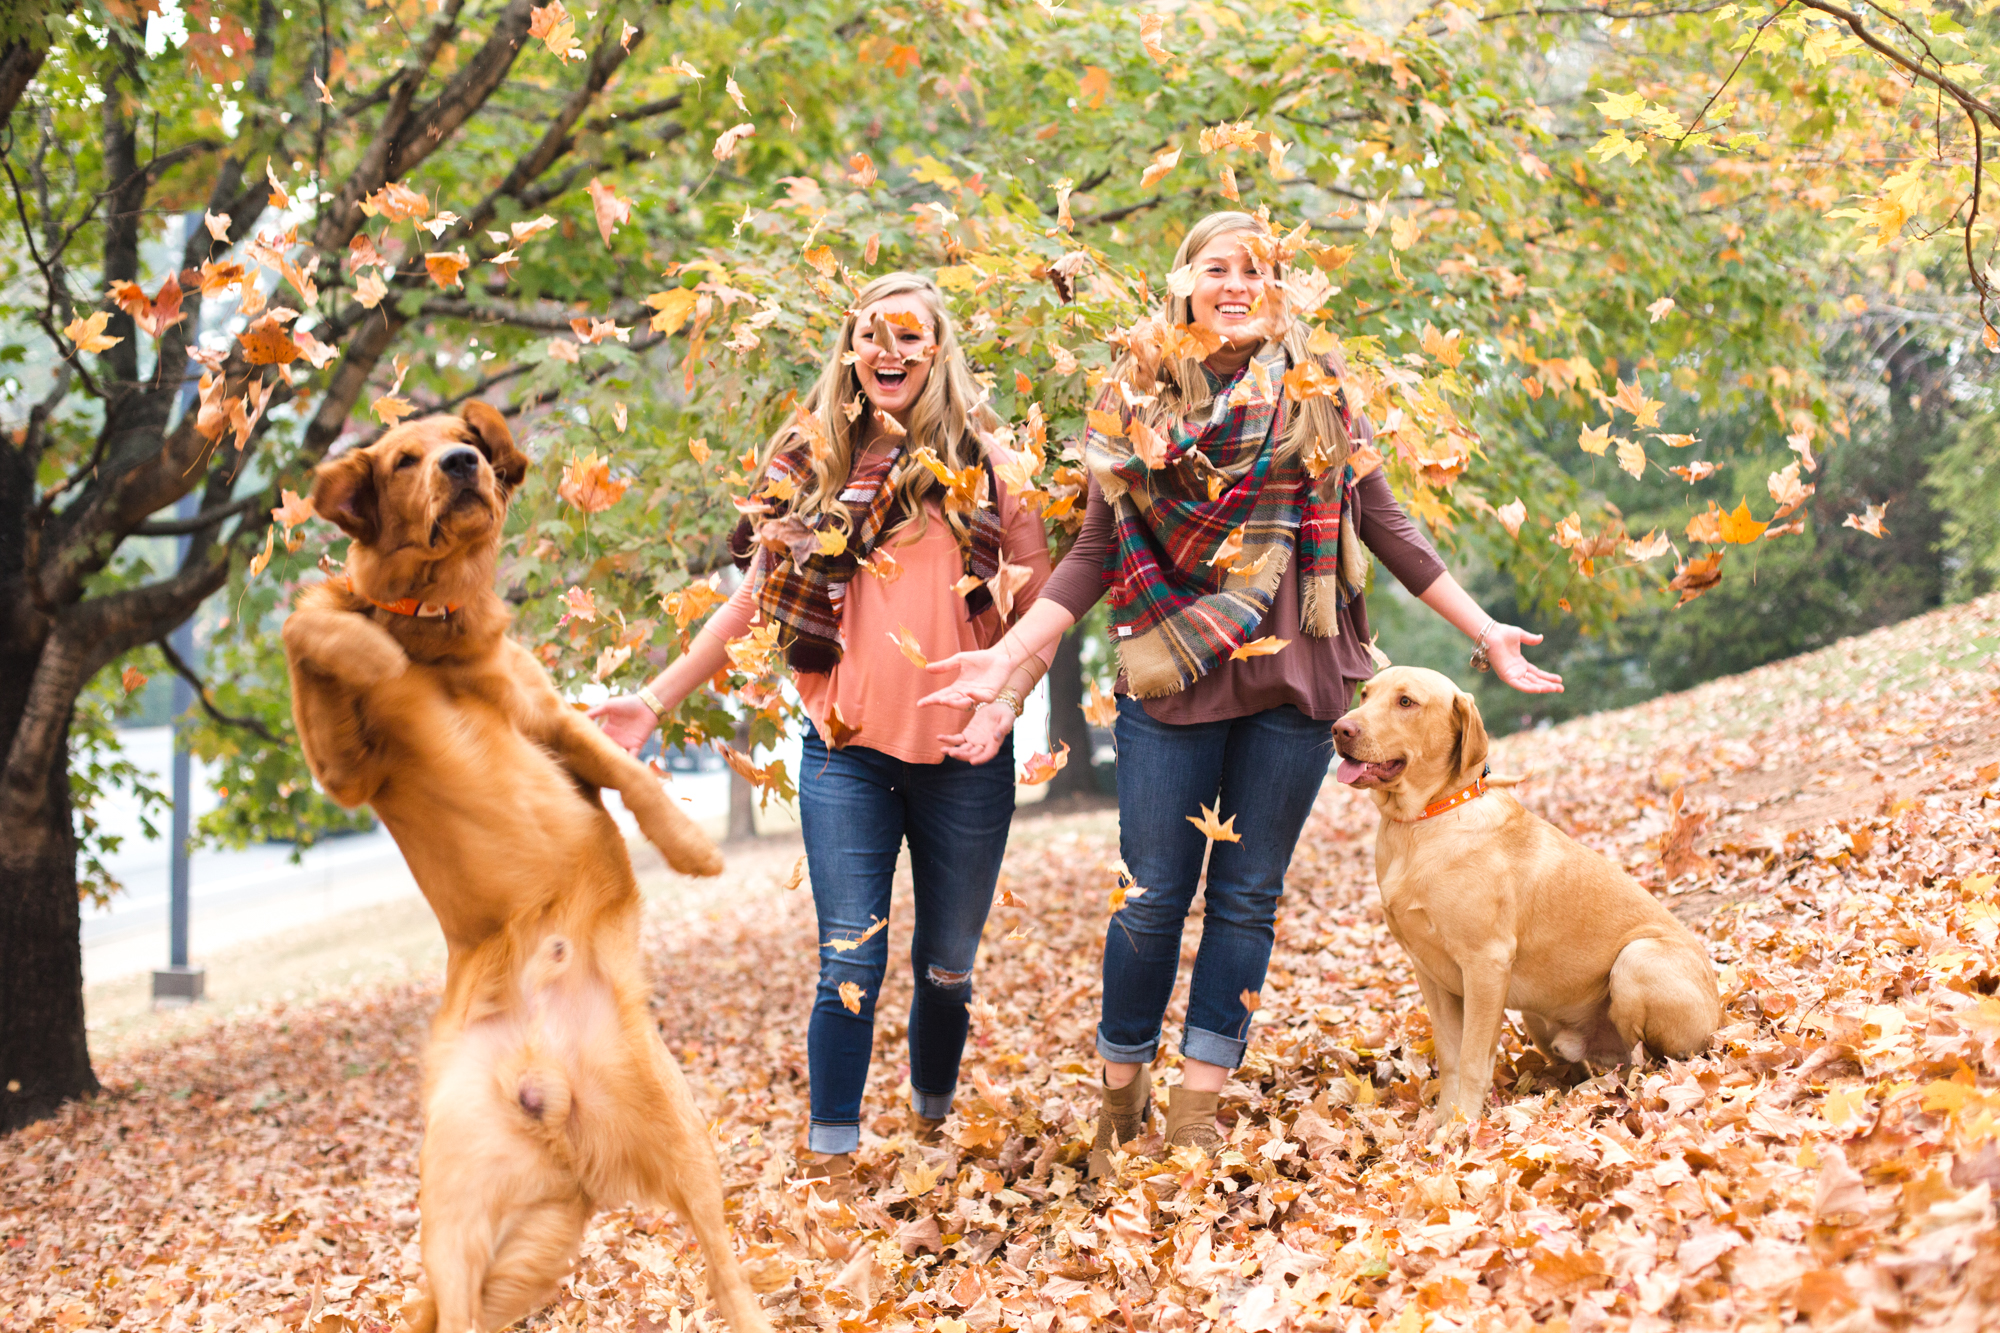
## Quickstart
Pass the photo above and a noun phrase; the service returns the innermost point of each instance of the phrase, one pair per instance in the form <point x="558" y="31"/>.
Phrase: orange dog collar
<point x="1453" y="801"/>
<point x="409" y="606"/>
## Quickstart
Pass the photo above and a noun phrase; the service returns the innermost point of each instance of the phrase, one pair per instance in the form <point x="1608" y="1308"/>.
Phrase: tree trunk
<point x="1066" y="721"/>
<point x="44" y="1054"/>
<point x="741" y="793"/>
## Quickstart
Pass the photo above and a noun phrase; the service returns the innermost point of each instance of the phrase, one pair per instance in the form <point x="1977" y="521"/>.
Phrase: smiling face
<point x="422" y="500"/>
<point x="895" y="340"/>
<point x="1413" y="732"/>
<point x="1230" y="294"/>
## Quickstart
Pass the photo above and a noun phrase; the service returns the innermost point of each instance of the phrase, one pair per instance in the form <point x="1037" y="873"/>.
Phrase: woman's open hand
<point x="982" y="736"/>
<point x="626" y="720"/>
<point x="981" y="672"/>
<point x="1503" y="651"/>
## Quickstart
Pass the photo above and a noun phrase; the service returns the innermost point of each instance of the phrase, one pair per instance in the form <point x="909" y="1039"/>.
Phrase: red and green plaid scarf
<point x="802" y="587"/>
<point x="1202" y="541"/>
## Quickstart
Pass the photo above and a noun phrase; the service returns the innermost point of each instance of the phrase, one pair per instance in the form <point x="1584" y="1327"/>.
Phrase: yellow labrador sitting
<point x="1500" y="910"/>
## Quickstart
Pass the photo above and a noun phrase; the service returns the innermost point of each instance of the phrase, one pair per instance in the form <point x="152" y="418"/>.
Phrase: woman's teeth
<point x="890" y="378"/>
<point x="1233" y="309"/>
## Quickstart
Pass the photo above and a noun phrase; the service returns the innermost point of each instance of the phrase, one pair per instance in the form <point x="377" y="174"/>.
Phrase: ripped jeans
<point x="858" y="806"/>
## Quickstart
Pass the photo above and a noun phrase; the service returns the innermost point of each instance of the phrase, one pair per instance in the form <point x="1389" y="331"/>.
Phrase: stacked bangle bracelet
<point x="652" y="701"/>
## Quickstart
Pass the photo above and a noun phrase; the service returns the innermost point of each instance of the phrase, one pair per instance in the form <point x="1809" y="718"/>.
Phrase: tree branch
<point x="206" y="519"/>
<point x="187" y="673"/>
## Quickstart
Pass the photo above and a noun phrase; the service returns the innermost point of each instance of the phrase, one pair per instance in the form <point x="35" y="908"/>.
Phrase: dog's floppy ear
<point x="344" y="495"/>
<point x="1468" y="747"/>
<point x="492" y="438"/>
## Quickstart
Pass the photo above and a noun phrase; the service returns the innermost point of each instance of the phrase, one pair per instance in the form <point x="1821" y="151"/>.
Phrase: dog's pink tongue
<point x="1350" y="769"/>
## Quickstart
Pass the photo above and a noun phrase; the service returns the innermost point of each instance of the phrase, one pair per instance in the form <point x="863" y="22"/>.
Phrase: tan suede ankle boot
<point x="1121" y="1117"/>
<point x="1191" y="1119"/>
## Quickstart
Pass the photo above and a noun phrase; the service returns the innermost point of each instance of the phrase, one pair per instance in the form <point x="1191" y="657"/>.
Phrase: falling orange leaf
<point x="1511" y="516"/>
<point x="1100" y="708"/>
<point x="1041" y="767"/>
<point x="1150" y="26"/>
<point x="369" y="290"/>
<point x="728" y="141"/>
<point x="1869" y="520"/>
<point x="555" y="28"/>
<point x="588" y="484"/>
<point x="1645" y="411"/>
<point x="444" y="267"/>
<point x="838" y="732"/>
<point x="876" y="927"/>
<point x="906" y="643"/>
<point x="883" y="566"/>
<point x="850" y="997"/>
<point x="294" y="510"/>
<point x="609" y="208"/>
<point x="1094" y="86"/>
<point x="1693" y="472"/>
<point x="1210" y="829"/>
<point x="1696" y="577"/>
<point x="131" y="679"/>
<point x="1160" y="168"/>
<point x="1654" y="546"/>
<point x="392" y="409"/>
<point x="265" y="343"/>
<point x="1263" y="647"/>
<point x="279" y="198"/>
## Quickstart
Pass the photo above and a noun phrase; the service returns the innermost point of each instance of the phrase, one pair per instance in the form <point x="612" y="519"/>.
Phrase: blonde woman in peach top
<point x="878" y="770"/>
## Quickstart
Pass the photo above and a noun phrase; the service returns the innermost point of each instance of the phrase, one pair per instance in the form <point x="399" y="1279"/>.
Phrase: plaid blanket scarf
<point x="1201" y="542"/>
<point x="802" y="587"/>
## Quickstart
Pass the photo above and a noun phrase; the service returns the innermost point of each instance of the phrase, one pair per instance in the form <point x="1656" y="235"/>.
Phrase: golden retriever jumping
<point x="548" y="1092"/>
<point x="1500" y="910"/>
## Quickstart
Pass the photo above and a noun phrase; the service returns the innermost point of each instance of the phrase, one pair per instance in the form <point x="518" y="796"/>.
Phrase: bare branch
<point x="206" y="519"/>
<point x="187" y="673"/>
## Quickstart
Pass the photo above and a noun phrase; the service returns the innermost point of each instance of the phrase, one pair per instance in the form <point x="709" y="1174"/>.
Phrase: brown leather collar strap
<point x="1453" y="801"/>
<point x="409" y="606"/>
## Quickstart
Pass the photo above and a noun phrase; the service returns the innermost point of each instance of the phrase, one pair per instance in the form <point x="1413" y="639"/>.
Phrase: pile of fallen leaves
<point x="1827" y="826"/>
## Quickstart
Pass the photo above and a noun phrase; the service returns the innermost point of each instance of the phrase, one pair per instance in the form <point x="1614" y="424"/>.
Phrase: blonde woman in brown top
<point x="1222" y="514"/>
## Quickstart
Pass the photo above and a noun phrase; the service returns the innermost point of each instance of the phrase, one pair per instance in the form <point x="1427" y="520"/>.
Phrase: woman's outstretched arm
<point x="1503" y="642"/>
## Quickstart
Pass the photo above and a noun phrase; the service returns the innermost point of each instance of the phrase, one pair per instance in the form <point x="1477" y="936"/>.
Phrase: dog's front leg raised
<point x="336" y="658"/>
<point x="596" y="759"/>
<point x="1485" y="974"/>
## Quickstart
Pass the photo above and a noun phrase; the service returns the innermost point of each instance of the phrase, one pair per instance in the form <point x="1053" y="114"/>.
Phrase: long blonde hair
<point x="1182" y="384"/>
<point x="942" y="418"/>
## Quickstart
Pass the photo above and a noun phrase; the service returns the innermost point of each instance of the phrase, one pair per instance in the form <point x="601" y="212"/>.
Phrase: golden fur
<point x="548" y="1092"/>
<point x="1500" y="910"/>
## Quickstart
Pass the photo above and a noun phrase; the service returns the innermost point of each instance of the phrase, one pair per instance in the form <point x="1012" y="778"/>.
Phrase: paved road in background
<point x="236" y="896"/>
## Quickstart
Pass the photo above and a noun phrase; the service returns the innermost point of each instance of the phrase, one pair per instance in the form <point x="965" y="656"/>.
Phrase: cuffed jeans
<point x="1265" y="770"/>
<point x="858" y="806"/>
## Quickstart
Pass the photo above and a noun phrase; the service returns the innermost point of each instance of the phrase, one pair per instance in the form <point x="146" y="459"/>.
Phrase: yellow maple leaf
<point x="850" y="1000"/>
<point x="1738" y="528"/>
<point x="445" y="266"/>
<point x="1150" y="26"/>
<point x="392" y="409"/>
<point x="1213" y="831"/>
<point x="88" y="334"/>
<point x="877" y="925"/>
<point x="1596" y="439"/>
<point x="1162" y="164"/>
<point x="1100" y="708"/>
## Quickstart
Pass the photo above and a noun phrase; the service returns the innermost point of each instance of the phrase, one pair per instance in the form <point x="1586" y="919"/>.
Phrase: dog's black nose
<point x="461" y="464"/>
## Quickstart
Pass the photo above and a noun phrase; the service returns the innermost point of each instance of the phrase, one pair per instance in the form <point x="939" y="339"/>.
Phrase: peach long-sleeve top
<point x="875" y="687"/>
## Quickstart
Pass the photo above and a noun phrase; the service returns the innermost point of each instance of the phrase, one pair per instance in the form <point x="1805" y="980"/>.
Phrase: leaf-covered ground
<point x="1832" y="1160"/>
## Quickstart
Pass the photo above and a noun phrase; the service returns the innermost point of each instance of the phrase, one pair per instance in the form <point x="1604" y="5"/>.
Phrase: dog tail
<point x="1504" y="780"/>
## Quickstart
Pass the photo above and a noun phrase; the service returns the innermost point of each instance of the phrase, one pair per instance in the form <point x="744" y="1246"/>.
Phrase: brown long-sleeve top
<point x="1316" y="676"/>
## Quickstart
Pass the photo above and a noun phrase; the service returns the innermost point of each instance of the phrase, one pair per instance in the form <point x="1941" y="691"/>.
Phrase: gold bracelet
<point x="1012" y="698"/>
<point x="652" y="701"/>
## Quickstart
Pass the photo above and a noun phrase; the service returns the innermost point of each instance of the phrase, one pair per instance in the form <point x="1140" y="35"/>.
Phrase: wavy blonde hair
<point x="1182" y="385"/>
<point x="943" y="417"/>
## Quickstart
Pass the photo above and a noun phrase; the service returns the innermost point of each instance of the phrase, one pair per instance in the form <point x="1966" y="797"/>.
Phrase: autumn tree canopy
<point x="1549" y="245"/>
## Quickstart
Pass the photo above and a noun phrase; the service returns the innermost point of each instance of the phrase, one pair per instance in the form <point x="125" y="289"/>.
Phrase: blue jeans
<point x="858" y="806"/>
<point x="1264" y="769"/>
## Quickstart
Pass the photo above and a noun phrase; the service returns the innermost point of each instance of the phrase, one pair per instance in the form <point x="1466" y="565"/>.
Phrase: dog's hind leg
<point x="536" y="1245"/>
<point x="682" y="1172"/>
<point x="1664" y="995"/>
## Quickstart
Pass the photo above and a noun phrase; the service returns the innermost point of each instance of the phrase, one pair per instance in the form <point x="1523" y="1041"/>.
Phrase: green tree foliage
<point x="636" y="228"/>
